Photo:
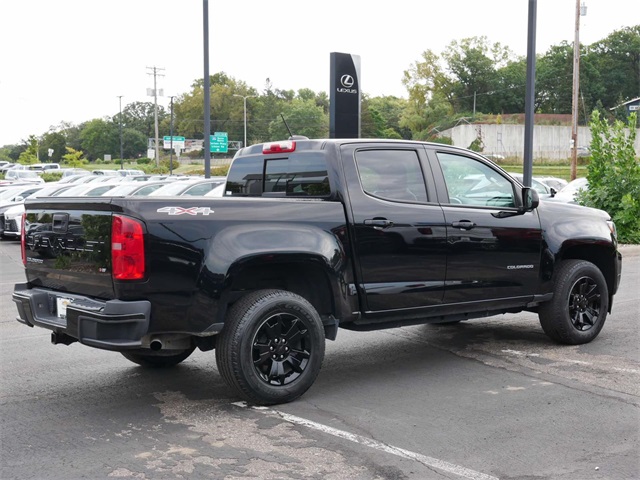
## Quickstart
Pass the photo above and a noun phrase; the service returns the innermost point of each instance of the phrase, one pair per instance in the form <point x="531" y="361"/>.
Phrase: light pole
<point x="171" y="141"/>
<point x="120" y="124"/>
<point x="244" y="98"/>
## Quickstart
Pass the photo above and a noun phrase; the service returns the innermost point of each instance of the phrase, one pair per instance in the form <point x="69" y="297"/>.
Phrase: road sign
<point x="178" y="142"/>
<point x="219" y="142"/>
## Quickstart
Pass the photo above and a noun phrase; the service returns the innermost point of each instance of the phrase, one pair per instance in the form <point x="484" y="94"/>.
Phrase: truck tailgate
<point x="68" y="245"/>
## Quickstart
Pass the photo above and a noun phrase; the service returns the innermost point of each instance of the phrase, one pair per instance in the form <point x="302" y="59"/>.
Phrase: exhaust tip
<point x="155" y="345"/>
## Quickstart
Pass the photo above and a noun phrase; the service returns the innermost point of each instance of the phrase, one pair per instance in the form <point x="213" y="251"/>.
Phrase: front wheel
<point x="272" y="347"/>
<point x="578" y="309"/>
<point x="160" y="359"/>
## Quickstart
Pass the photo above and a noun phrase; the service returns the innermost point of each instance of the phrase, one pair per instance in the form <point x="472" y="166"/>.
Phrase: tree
<point x="134" y="143"/>
<point x="227" y="112"/>
<point x="617" y="60"/>
<point x="73" y="158"/>
<point x="55" y="141"/>
<point x="614" y="175"/>
<point x="100" y="137"/>
<point x="304" y="117"/>
<point x="510" y="88"/>
<point x="473" y="63"/>
<point x="422" y="121"/>
<point x="30" y="154"/>
<point x="140" y="116"/>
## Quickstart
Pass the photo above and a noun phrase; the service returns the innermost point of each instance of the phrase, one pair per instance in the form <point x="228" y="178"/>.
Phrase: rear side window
<point x="392" y="175"/>
<point x="295" y="175"/>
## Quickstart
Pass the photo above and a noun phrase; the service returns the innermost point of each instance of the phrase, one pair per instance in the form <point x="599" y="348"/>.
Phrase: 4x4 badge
<point x="188" y="211"/>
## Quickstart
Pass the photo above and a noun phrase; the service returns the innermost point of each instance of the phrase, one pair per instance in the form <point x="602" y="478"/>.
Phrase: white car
<point x="17" y="194"/>
<point x="11" y="220"/>
<point x="568" y="194"/>
<point x="11" y="214"/>
<point x="537" y="184"/>
<point x="194" y="187"/>
<point x="23" y="176"/>
<point x="86" y="190"/>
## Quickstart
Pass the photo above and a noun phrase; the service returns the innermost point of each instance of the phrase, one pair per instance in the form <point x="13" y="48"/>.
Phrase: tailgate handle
<point x="60" y="222"/>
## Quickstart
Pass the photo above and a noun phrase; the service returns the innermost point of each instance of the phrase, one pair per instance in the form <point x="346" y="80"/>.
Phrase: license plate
<point x="61" y="304"/>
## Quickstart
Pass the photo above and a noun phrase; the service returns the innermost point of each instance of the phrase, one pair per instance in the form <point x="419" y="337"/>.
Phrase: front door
<point x="494" y="251"/>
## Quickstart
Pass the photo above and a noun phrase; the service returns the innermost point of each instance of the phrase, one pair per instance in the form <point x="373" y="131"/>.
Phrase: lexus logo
<point x="347" y="81"/>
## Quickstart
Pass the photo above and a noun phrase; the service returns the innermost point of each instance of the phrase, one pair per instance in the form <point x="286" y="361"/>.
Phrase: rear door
<point x="397" y="226"/>
<point x="494" y="251"/>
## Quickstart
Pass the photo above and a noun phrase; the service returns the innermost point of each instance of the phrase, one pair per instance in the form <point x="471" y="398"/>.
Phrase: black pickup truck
<point x="310" y="236"/>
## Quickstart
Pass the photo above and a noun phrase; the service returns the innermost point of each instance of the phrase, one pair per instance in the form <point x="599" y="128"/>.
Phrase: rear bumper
<point x="110" y="324"/>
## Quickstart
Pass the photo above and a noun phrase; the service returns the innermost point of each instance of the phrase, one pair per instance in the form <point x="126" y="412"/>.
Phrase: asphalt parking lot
<point x="486" y="399"/>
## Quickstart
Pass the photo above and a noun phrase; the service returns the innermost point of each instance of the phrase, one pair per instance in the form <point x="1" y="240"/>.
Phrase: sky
<point x="69" y="60"/>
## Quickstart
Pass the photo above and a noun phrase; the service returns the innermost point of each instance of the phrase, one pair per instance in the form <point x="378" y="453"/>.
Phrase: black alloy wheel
<point x="578" y="309"/>
<point x="585" y="303"/>
<point x="271" y="347"/>
<point x="281" y="349"/>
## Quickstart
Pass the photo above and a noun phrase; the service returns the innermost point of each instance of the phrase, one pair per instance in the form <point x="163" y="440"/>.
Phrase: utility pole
<point x="580" y="11"/>
<point x="155" y="101"/>
<point x="120" y="124"/>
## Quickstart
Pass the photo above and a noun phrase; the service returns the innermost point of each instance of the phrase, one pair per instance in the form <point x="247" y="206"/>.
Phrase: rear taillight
<point x="127" y="248"/>
<point x="23" y="249"/>
<point x="279" y="147"/>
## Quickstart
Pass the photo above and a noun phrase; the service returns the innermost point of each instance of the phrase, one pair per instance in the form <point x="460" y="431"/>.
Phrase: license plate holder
<point x="61" y="306"/>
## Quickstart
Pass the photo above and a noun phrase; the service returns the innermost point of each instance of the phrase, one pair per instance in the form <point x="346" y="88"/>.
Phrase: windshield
<point x="26" y="174"/>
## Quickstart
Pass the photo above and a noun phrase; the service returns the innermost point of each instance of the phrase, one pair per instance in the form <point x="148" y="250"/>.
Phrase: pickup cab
<point x="308" y="237"/>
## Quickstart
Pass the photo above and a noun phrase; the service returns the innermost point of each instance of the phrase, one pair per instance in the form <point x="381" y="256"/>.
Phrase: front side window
<point x="471" y="182"/>
<point x="391" y="175"/>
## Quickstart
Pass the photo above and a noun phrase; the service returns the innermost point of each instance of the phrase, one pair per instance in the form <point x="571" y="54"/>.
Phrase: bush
<point x="143" y="161"/>
<point x="443" y="140"/>
<point x="51" y="177"/>
<point x="168" y="164"/>
<point x="614" y="175"/>
<point x="193" y="154"/>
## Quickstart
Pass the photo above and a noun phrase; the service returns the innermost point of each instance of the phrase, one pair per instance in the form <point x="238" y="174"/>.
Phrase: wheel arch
<point x="307" y="275"/>
<point x="604" y="257"/>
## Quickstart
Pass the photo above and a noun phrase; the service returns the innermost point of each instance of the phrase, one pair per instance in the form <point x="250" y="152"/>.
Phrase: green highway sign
<point x="219" y="142"/>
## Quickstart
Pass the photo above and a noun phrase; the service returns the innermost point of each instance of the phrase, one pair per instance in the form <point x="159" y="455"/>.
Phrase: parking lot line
<point x="369" y="442"/>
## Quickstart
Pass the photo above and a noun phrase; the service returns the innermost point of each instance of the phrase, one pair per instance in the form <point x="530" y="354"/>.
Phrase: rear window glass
<point x="296" y="175"/>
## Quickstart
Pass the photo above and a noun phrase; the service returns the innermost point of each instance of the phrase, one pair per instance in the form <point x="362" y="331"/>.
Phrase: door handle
<point x="463" y="225"/>
<point x="378" y="223"/>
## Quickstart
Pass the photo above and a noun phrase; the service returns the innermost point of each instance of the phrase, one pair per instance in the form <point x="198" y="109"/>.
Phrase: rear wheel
<point x="578" y="310"/>
<point x="272" y="347"/>
<point x="159" y="359"/>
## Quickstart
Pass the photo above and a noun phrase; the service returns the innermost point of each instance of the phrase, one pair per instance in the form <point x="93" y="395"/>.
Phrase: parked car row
<point x="12" y="196"/>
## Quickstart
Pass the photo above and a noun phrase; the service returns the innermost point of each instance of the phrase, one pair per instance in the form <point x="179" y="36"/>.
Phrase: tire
<point x="271" y="348"/>
<point x="160" y="359"/>
<point x="577" y="312"/>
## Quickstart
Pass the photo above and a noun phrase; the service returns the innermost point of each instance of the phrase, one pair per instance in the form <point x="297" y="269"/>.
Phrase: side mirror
<point x="553" y="191"/>
<point x="530" y="199"/>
